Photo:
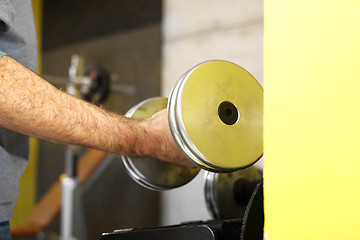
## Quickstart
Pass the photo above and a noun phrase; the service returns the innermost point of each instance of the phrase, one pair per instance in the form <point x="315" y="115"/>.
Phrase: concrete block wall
<point x="193" y="32"/>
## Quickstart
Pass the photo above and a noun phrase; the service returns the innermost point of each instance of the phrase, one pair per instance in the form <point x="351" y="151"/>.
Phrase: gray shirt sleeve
<point x="18" y="40"/>
<point x="6" y="16"/>
<point x="17" y="32"/>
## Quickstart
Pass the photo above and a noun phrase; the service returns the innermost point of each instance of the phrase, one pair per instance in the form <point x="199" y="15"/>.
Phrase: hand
<point x="168" y="151"/>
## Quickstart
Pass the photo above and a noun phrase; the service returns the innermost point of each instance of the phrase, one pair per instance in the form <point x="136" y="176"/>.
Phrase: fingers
<point x="161" y="114"/>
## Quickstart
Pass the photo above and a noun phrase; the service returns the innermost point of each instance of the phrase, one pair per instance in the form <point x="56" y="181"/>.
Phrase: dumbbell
<point x="227" y="195"/>
<point x="215" y="113"/>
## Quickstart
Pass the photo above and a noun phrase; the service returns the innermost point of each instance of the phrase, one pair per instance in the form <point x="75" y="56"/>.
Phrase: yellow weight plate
<point x="149" y="172"/>
<point x="174" y="127"/>
<point x="219" y="111"/>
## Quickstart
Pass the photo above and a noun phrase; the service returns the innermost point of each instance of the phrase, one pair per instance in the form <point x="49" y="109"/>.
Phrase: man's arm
<point x="32" y="106"/>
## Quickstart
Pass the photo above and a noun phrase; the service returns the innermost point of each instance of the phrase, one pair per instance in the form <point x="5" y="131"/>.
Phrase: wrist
<point x="143" y="140"/>
<point x="151" y="141"/>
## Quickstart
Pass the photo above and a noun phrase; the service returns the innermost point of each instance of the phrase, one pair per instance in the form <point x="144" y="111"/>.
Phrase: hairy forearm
<point x="30" y="105"/>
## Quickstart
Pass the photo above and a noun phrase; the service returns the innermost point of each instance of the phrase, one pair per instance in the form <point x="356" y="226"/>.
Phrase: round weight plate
<point x="175" y="128"/>
<point x="149" y="172"/>
<point x="227" y="194"/>
<point x="217" y="111"/>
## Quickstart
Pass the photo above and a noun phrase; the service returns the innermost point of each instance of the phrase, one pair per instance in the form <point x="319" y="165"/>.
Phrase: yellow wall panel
<point x="312" y="119"/>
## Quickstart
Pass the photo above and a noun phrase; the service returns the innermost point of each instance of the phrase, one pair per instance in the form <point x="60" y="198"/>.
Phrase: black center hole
<point x="228" y="113"/>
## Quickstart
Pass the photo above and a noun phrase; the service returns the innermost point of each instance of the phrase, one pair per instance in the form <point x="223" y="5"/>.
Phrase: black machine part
<point x="250" y="227"/>
<point x="212" y="230"/>
<point x="99" y="87"/>
<point x="253" y="221"/>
